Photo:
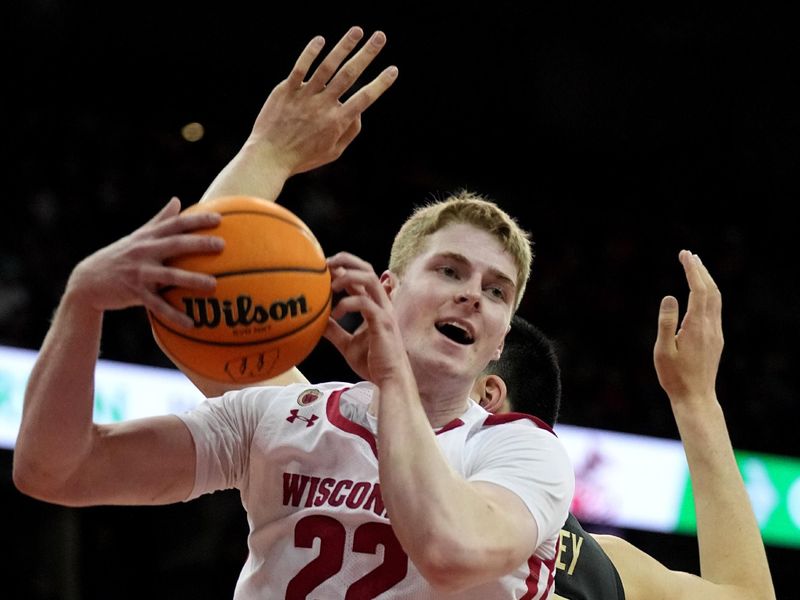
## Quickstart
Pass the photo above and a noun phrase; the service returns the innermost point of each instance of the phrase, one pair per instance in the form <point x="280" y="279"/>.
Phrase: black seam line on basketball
<point x="264" y="214"/>
<point x="271" y="270"/>
<point x="168" y="288"/>
<point x="240" y="344"/>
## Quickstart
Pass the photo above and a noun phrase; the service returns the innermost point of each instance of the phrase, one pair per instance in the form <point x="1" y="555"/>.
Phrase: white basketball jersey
<point x="308" y="477"/>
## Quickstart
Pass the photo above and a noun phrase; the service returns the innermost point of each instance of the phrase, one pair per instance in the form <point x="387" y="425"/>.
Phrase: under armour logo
<point x="293" y="416"/>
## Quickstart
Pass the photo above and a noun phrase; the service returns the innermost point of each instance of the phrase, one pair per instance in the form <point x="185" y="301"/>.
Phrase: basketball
<point x="272" y="299"/>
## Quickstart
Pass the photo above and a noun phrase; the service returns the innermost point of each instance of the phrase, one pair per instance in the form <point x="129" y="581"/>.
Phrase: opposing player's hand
<point x="687" y="358"/>
<point x="304" y="123"/>
<point x="129" y="271"/>
<point x="373" y="350"/>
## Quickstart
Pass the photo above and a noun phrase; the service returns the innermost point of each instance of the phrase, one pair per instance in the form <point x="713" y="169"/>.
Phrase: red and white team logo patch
<point x="308" y="397"/>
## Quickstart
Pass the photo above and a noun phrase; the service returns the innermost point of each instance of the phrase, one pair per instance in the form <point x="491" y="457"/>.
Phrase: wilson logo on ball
<point x="210" y="311"/>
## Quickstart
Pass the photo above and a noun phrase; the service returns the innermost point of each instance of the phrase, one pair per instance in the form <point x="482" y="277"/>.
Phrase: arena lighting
<point x="641" y="482"/>
<point x="622" y="480"/>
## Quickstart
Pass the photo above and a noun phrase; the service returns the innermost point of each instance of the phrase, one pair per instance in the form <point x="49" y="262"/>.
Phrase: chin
<point x="430" y="367"/>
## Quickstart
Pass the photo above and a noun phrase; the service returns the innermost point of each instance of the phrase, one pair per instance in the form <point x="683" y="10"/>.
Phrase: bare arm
<point x="733" y="563"/>
<point x="304" y="124"/>
<point x="61" y="455"/>
<point x="211" y="388"/>
<point x="645" y="578"/>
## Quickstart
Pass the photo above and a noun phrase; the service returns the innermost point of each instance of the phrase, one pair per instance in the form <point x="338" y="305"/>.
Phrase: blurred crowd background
<point x="616" y="137"/>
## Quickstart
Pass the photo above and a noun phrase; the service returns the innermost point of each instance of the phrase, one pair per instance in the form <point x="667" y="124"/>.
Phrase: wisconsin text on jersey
<point x="310" y="490"/>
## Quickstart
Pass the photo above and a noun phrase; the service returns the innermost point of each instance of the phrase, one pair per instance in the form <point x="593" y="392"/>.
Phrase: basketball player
<point x="292" y="103"/>
<point x="640" y="572"/>
<point x="598" y="567"/>
<point x="397" y="486"/>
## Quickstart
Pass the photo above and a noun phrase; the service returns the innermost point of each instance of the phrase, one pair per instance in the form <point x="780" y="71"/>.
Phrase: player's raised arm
<point x="61" y="456"/>
<point x="306" y="122"/>
<point x="733" y="563"/>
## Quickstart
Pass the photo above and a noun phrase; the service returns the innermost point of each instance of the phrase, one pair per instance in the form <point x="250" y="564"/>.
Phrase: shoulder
<point x="301" y="391"/>
<point x="256" y="401"/>
<point x="517" y="430"/>
<point x="518" y="418"/>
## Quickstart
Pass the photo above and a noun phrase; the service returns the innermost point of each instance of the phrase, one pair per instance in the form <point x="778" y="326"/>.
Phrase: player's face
<point x="454" y="302"/>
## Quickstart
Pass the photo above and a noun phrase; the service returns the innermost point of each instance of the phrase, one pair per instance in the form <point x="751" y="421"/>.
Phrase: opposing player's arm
<point x="301" y="126"/>
<point x="211" y="388"/>
<point x="304" y="124"/>
<point x="645" y="578"/>
<point x="733" y="563"/>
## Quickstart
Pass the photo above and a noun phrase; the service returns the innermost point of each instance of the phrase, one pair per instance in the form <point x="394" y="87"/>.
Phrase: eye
<point x="449" y="272"/>
<point x="496" y="292"/>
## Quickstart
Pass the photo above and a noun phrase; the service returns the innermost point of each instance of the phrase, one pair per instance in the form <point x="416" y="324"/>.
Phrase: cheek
<point x="498" y="326"/>
<point x="403" y="311"/>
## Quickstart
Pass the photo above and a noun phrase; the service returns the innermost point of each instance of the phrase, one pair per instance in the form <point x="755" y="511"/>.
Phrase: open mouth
<point x="455" y="332"/>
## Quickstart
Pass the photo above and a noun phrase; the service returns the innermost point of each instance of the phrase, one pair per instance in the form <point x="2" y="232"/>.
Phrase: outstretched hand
<point x="130" y="271"/>
<point x="375" y="350"/>
<point x="687" y="358"/>
<point x="304" y="121"/>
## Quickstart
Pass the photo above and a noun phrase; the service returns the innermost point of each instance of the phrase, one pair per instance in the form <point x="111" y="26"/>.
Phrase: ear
<point x="389" y="282"/>
<point x="491" y="391"/>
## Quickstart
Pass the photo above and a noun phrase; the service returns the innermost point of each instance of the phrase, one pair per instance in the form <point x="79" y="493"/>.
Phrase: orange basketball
<point x="272" y="300"/>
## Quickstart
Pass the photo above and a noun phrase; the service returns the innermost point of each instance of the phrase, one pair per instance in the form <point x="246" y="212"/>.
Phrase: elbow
<point x="450" y="566"/>
<point x="35" y="483"/>
<point x="26" y="482"/>
<point x="442" y="572"/>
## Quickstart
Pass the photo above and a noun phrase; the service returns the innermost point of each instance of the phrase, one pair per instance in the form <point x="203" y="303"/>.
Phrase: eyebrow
<point x="460" y="258"/>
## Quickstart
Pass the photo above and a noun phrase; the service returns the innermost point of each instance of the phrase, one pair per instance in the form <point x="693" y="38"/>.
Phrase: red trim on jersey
<point x="551" y="566"/>
<point x="451" y="425"/>
<point x="509" y="417"/>
<point x="336" y="418"/>
<point x="535" y="566"/>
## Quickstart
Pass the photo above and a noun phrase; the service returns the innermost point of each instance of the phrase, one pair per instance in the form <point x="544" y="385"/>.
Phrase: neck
<point x="442" y="404"/>
<point x="440" y="407"/>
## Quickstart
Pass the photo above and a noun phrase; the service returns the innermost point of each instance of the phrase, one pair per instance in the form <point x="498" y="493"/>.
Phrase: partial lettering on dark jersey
<point x="583" y="569"/>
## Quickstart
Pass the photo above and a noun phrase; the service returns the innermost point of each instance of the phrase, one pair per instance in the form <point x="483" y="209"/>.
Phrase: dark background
<point x="616" y="136"/>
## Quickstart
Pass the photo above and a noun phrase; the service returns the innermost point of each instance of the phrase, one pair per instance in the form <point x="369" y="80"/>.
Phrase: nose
<point x="468" y="295"/>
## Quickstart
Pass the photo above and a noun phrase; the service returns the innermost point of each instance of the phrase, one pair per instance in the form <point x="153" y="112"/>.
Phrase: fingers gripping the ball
<point x="377" y="342"/>
<point x="365" y="294"/>
<point x="272" y="297"/>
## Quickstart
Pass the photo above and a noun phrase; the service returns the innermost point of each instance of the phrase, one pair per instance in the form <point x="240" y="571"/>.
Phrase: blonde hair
<point x="470" y="208"/>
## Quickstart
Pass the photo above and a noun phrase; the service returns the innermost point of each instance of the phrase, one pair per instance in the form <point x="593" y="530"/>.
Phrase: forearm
<point x="731" y="548"/>
<point x="455" y="535"/>
<point x="258" y="170"/>
<point x="56" y="429"/>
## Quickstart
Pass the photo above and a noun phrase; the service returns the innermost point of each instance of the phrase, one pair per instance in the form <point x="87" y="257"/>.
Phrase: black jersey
<point x="583" y="569"/>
